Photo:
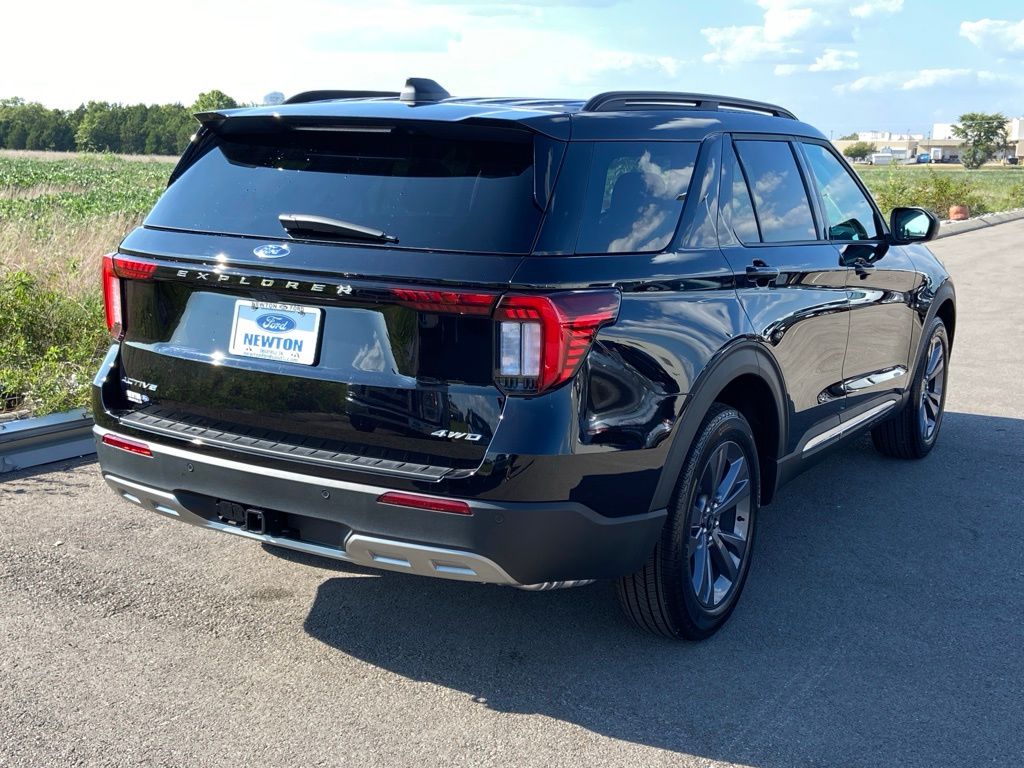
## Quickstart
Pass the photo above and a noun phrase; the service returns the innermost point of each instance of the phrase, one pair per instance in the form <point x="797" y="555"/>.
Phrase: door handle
<point x="760" y="271"/>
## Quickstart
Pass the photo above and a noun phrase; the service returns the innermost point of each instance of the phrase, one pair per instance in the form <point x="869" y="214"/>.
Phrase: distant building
<point x="888" y="136"/>
<point x="1014" y="132"/>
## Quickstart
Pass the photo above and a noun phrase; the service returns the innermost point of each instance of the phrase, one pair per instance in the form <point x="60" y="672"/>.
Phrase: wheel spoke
<point x="935" y="398"/>
<point x="694" y="540"/>
<point x="701" y="576"/>
<point x="739" y="486"/>
<point x="719" y="463"/>
<point x="734" y="542"/>
<point x="934" y="358"/>
<point x="735" y="473"/>
<point x="936" y="369"/>
<point x="724" y="559"/>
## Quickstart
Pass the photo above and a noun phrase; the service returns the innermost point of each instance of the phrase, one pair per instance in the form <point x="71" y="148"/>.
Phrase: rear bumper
<point x="501" y="542"/>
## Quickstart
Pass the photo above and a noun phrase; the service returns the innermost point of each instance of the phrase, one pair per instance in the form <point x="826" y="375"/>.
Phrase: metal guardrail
<point x="30" y="442"/>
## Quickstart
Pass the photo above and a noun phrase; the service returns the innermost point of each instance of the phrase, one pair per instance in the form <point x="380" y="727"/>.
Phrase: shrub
<point x="926" y="189"/>
<point x="50" y="343"/>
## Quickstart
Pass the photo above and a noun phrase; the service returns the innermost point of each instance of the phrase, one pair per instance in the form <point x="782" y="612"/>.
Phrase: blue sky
<point x="840" y="64"/>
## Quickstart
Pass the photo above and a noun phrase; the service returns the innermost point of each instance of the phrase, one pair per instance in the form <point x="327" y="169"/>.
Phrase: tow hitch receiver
<point x="252" y="520"/>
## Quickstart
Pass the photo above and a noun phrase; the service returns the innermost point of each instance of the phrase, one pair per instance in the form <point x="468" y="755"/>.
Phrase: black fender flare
<point x="945" y="292"/>
<point x="742" y="357"/>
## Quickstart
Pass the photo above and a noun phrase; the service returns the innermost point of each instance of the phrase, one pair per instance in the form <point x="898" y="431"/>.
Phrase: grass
<point x="59" y="212"/>
<point x="58" y="215"/>
<point x="985" y="190"/>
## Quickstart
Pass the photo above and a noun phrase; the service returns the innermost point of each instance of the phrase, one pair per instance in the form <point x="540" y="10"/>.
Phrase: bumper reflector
<point x="431" y="503"/>
<point x="125" y="444"/>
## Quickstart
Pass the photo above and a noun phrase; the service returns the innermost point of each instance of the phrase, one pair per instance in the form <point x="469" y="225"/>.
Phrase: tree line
<point x="99" y="126"/>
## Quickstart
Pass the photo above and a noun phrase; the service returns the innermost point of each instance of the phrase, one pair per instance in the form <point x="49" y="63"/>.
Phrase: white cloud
<point x="925" y="78"/>
<point x="830" y="60"/>
<point x="1004" y="38"/>
<point x="871" y="8"/>
<point x="352" y="44"/>
<point x="788" y="28"/>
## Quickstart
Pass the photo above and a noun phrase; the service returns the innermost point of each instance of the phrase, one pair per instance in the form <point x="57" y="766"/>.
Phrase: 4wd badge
<point x="456" y="435"/>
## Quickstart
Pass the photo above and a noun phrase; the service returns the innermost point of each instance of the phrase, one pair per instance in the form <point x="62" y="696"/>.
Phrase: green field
<point x="58" y="215"/>
<point x="985" y="190"/>
<point x="60" y="212"/>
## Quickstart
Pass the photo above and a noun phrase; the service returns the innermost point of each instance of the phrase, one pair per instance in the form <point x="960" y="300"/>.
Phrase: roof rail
<point x="307" y="96"/>
<point x="618" y="101"/>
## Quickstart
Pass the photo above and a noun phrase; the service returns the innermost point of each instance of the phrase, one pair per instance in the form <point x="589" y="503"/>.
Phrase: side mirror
<point x="912" y="225"/>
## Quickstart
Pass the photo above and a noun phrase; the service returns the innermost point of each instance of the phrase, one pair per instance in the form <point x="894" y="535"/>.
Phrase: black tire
<point x="664" y="596"/>
<point x="912" y="432"/>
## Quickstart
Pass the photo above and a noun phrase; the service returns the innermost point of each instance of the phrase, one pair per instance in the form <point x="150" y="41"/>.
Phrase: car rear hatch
<point x="330" y="346"/>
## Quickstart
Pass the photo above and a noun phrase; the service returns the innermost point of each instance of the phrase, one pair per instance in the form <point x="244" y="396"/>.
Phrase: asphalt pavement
<point x="882" y="625"/>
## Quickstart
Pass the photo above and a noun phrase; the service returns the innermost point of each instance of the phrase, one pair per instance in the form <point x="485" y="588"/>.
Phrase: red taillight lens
<point x="116" y="268"/>
<point x="542" y="339"/>
<point x="450" y="302"/>
<point x="431" y="503"/>
<point x="125" y="444"/>
<point x="132" y="269"/>
<point x="112" y="296"/>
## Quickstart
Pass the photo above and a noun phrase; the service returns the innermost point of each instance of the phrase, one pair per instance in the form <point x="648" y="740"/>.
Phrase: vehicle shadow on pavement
<point x="881" y="625"/>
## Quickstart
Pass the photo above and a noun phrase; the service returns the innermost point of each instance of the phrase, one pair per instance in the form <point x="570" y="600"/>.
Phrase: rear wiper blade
<point x="302" y="222"/>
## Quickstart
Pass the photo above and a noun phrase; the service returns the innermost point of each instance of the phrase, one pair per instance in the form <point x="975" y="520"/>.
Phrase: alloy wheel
<point x="719" y="525"/>
<point x="930" y="408"/>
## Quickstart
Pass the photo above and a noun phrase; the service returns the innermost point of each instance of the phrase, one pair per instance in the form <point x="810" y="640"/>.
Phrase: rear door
<point x="336" y="351"/>
<point x="880" y="281"/>
<point x="790" y="281"/>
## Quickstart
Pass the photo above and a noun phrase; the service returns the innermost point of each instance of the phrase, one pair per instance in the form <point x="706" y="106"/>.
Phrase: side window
<point x="634" y="195"/>
<point x="780" y="199"/>
<point x="850" y="215"/>
<point x="737" y="208"/>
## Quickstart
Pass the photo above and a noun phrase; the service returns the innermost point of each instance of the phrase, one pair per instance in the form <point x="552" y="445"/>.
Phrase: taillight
<point x="543" y="339"/>
<point x="431" y="503"/>
<point x="116" y="268"/>
<point x="450" y="302"/>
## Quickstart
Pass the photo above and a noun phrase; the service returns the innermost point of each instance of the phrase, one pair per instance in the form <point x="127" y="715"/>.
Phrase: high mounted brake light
<point x="115" y="268"/>
<point x="543" y="339"/>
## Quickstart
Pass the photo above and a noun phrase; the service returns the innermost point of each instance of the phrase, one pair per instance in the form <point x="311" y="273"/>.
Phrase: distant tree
<point x="100" y="130"/>
<point x="983" y="136"/>
<point x="849" y="137"/>
<point x="273" y="98"/>
<point x="860" y="150"/>
<point x="213" y="100"/>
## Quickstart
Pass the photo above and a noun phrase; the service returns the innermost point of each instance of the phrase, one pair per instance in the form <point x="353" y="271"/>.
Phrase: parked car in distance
<point x="529" y="342"/>
<point x="880" y="158"/>
<point x="924" y="157"/>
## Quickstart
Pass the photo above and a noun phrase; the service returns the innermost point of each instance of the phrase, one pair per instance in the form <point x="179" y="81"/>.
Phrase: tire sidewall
<point x="727" y="425"/>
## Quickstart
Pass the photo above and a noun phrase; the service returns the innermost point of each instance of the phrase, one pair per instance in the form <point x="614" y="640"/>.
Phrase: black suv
<point x="520" y="341"/>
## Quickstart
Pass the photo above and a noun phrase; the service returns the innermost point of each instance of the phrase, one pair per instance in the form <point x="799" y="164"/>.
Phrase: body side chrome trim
<point x="847" y="426"/>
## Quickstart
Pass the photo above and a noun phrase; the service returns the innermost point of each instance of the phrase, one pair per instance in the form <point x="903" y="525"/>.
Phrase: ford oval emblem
<point x="275" y="323"/>
<point x="272" y="251"/>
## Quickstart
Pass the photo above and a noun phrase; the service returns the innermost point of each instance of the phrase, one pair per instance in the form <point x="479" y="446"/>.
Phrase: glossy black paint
<point x="692" y="325"/>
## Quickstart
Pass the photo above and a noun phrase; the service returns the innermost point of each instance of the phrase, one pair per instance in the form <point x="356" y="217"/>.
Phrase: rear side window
<point x="780" y="199"/>
<point x="737" y="209"/>
<point x="448" y="188"/>
<point x="634" y="196"/>
<point x="850" y="215"/>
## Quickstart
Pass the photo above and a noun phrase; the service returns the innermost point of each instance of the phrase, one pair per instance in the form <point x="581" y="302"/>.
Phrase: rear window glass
<point x="635" y="195"/>
<point x="780" y="199"/>
<point x="461" y="190"/>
